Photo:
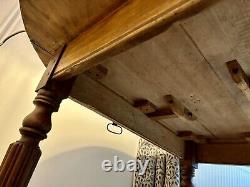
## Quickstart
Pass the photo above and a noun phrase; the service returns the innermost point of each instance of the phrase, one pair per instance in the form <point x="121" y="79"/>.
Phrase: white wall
<point x="78" y="142"/>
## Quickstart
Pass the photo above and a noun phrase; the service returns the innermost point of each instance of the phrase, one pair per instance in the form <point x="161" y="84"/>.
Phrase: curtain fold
<point x="162" y="169"/>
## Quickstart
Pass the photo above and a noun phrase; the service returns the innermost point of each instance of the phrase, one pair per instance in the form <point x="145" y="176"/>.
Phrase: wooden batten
<point x="239" y="77"/>
<point x="174" y="109"/>
<point x="152" y="111"/>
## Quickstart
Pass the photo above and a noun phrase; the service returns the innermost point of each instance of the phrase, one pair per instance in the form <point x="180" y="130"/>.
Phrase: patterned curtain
<point x="162" y="169"/>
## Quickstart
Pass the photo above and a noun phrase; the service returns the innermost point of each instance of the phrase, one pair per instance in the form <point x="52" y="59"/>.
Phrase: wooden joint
<point x="239" y="77"/>
<point x="178" y="109"/>
<point x="173" y="109"/>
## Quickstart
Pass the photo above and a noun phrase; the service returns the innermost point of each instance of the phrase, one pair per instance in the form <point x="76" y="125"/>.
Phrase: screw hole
<point x="171" y="101"/>
<point x="190" y="114"/>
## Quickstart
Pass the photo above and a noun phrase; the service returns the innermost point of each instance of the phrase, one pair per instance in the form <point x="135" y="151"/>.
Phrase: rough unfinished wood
<point x="221" y="33"/>
<point x="135" y="18"/>
<point x="170" y="63"/>
<point x="162" y="114"/>
<point x="238" y="154"/>
<point x="112" y="106"/>
<point x="178" y="109"/>
<point x="173" y="109"/>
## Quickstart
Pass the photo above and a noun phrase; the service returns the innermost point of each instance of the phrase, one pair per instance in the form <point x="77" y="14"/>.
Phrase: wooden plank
<point x="100" y="99"/>
<point x="238" y="154"/>
<point x="51" y="24"/>
<point x="171" y="63"/>
<point x="134" y="19"/>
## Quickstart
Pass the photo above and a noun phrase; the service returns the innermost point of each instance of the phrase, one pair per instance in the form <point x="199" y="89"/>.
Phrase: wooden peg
<point x="178" y="109"/>
<point x="239" y="77"/>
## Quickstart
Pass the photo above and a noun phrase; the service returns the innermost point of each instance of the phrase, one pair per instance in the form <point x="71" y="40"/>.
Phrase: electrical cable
<point x="10" y="36"/>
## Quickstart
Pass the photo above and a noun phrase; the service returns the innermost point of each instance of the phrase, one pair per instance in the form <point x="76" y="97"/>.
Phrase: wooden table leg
<point x="188" y="165"/>
<point x="23" y="155"/>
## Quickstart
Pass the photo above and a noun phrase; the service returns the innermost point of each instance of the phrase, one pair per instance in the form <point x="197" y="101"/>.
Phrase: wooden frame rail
<point x="99" y="98"/>
<point x="223" y="153"/>
<point x="132" y="23"/>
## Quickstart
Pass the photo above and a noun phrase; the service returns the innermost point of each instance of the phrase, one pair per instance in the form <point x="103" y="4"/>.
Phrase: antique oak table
<point x="172" y="71"/>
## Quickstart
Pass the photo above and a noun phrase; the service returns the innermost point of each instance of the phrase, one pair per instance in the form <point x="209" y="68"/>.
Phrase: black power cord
<point x="10" y="36"/>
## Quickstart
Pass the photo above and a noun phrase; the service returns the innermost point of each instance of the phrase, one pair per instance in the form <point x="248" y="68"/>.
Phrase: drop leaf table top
<point x="168" y="70"/>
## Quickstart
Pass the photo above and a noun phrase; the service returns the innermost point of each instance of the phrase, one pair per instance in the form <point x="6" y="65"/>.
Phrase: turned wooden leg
<point x="188" y="165"/>
<point x="23" y="155"/>
<point x="187" y="173"/>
